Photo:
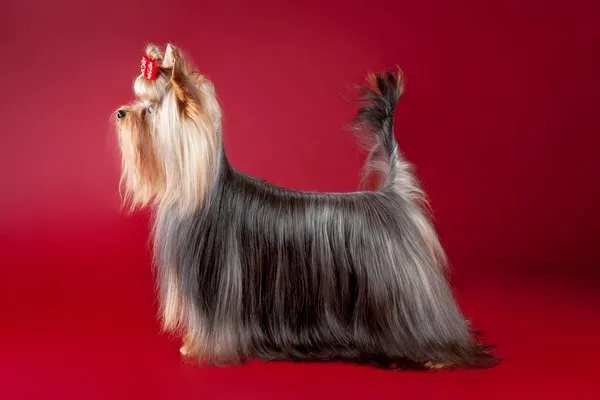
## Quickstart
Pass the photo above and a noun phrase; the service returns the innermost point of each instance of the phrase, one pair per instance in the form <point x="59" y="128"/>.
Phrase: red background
<point x="500" y="118"/>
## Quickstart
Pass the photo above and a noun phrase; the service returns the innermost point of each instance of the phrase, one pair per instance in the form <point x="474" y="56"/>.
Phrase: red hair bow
<point x="149" y="68"/>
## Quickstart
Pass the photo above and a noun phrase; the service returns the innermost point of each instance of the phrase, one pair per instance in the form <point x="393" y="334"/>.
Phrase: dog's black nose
<point x="120" y="114"/>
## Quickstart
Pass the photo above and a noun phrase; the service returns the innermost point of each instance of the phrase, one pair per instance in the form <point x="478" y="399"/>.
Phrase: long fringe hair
<point x="250" y="270"/>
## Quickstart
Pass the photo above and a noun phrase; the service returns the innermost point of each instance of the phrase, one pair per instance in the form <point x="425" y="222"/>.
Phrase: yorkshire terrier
<point x="249" y="270"/>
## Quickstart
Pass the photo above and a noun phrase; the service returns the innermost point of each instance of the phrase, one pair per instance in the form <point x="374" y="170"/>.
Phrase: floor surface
<point x="81" y="324"/>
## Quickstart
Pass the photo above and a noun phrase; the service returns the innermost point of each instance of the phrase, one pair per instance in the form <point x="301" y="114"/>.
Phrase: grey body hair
<point x="263" y="272"/>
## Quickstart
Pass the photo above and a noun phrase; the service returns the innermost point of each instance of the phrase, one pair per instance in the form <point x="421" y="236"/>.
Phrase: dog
<point x="249" y="270"/>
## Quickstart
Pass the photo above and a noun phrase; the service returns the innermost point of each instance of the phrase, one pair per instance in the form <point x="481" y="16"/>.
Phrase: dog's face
<point x="169" y="136"/>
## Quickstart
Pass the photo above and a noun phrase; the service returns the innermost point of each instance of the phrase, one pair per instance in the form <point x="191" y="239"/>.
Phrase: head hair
<point x="170" y="136"/>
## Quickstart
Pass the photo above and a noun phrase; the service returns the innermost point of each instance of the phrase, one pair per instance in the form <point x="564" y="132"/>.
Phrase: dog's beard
<point x="142" y="174"/>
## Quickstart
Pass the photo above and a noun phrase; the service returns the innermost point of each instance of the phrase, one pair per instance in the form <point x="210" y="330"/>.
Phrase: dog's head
<point x="169" y="136"/>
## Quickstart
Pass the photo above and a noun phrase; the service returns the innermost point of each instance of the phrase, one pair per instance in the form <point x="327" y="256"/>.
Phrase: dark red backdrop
<point x="500" y="117"/>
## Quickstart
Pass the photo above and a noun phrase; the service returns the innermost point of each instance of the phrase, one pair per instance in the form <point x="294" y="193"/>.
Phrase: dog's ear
<point x="174" y="60"/>
<point x="171" y="55"/>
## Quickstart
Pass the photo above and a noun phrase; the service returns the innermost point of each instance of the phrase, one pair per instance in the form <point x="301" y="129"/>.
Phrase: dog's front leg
<point x="186" y="348"/>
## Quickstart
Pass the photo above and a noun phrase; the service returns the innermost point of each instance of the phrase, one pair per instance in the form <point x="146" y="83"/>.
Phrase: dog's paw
<point x="438" y="365"/>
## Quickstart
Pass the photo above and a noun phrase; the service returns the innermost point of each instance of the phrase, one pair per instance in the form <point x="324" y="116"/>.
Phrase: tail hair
<point x="373" y="126"/>
<point x="385" y="168"/>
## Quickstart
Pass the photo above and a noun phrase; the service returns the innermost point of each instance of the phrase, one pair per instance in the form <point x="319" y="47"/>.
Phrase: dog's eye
<point x="150" y="109"/>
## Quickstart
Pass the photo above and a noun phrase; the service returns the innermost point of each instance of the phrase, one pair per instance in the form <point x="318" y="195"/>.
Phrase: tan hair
<point x="169" y="138"/>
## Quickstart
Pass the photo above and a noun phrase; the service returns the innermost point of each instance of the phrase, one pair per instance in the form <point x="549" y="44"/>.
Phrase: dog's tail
<point x="385" y="168"/>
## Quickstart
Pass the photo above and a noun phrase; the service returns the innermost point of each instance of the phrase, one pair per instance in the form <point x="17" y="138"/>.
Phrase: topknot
<point x="152" y="90"/>
<point x="154" y="53"/>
